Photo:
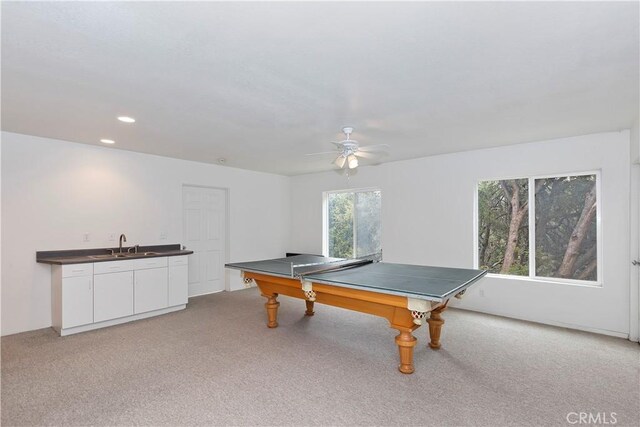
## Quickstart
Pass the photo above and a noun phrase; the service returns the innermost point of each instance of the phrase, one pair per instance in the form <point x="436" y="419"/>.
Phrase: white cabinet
<point x="151" y="289"/>
<point x="72" y="296"/>
<point x="178" y="280"/>
<point x="77" y="270"/>
<point x="113" y="295"/>
<point x="143" y="263"/>
<point x="93" y="295"/>
<point x="113" y="266"/>
<point x="77" y="301"/>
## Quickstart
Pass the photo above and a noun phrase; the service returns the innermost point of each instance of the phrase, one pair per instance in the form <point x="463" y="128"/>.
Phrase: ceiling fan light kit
<point x="349" y="150"/>
<point x="353" y="161"/>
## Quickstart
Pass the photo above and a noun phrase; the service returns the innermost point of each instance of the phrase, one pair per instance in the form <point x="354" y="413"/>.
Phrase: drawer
<point x="144" y="263"/>
<point x="113" y="266"/>
<point x="76" y="270"/>
<point x="179" y="260"/>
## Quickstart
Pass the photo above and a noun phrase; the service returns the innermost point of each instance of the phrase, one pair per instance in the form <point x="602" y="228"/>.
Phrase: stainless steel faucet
<point x="122" y="238"/>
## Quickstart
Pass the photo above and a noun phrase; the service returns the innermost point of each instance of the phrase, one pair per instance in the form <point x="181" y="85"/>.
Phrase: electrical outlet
<point x="163" y="235"/>
<point x="481" y="293"/>
<point x="111" y="237"/>
<point x="86" y="237"/>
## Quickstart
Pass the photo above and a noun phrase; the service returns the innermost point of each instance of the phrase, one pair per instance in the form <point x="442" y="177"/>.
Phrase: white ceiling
<point x="261" y="84"/>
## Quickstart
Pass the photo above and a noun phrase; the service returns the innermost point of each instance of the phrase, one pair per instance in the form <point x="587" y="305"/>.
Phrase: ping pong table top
<point x="416" y="281"/>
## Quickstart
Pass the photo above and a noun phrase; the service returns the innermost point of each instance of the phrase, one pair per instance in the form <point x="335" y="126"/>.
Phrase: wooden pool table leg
<point x="406" y="342"/>
<point x="272" y="305"/>
<point x="435" y="326"/>
<point x="309" y="311"/>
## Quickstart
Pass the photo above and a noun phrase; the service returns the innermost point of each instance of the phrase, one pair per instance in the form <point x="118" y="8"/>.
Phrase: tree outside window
<point x="353" y="223"/>
<point x="504" y="226"/>
<point x="563" y="235"/>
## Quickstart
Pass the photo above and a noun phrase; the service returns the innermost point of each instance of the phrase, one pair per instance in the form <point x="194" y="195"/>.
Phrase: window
<point x="352" y="224"/>
<point x="551" y="233"/>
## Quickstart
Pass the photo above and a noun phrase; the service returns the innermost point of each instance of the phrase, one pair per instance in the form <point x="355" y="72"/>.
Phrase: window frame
<point x="325" y="217"/>
<point x="532" y="230"/>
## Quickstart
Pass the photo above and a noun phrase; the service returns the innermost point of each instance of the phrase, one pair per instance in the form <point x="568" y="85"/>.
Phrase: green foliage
<point x="519" y="270"/>
<point x="368" y="227"/>
<point x="350" y="212"/>
<point x="494" y="218"/>
<point x="340" y="225"/>
<point x="559" y="204"/>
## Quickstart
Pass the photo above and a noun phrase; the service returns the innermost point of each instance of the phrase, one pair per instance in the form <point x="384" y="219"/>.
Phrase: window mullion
<point x="354" y="222"/>
<point x="532" y="227"/>
<point x="325" y="224"/>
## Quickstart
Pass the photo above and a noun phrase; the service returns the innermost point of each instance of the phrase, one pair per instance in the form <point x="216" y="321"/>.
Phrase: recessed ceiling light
<point x="127" y="119"/>
<point x="107" y="141"/>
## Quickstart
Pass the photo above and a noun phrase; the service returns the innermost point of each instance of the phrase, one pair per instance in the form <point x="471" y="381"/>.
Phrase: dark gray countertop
<point x="81" y="256"/>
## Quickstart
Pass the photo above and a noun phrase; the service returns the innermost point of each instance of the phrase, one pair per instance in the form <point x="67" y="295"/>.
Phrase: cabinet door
<point x="151" y="289"/>
<point x="77" y="301"/>
<point x="178" y="284"/>
<point x="113" y="295"/>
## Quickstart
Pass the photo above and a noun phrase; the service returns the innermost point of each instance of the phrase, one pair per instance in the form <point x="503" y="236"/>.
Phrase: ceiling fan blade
<point x="365" y="155"/>
<point x="335" y="153"/>
<point x="377" y="147"/>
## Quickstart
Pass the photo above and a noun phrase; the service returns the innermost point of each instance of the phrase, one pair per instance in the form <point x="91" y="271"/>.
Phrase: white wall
<point x="54" y="191"/>
<point x="635" y="141"/>
<point x="428" y="207"/>
<point x="0" y="233"/>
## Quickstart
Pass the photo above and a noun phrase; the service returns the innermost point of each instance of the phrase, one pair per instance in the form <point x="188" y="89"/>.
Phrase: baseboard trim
<point x="206" y="293"/>
<point x="112" y="322"/>
<point x="551" y="323"/>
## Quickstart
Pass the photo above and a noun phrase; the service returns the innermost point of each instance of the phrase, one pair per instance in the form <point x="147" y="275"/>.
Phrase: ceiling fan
<point x="348" y="150"/>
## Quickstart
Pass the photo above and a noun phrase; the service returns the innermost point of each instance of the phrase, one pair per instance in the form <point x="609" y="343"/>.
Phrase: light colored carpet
<point x="216" y="363"/>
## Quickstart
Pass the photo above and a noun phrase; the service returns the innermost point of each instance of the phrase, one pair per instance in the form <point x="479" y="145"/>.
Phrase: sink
<point x="142" y="254"/>
<point x="107" y="256"/>
<point x="123" y="255"/>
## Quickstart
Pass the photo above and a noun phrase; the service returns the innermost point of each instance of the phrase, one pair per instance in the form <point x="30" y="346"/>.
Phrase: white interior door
<point x="204" y="230"/>
<point x="635" y="173"/>
<point x="634" y="324"/>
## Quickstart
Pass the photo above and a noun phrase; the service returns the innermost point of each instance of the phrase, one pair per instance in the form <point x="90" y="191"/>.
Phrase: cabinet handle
<point x="77" y="271"/>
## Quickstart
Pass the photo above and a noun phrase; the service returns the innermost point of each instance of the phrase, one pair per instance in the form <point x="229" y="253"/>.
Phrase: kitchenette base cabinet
<point x="113" y="296"/>
<point x="77" y="297"/>
<point x="178" y="284"/>
<point x="95" y="295"/>
<point x="71" y="296"/>
<point x="151" y="289"/>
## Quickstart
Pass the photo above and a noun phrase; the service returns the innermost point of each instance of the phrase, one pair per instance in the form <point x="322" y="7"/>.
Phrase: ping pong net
<point x="299" y="270"/>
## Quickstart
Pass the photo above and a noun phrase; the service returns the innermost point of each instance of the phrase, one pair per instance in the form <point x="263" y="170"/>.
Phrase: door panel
<point x="204" y="211"/>
<point x="213" y="225"/>
<point x="192" y="224"/>
<point x="213" y="265"/>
